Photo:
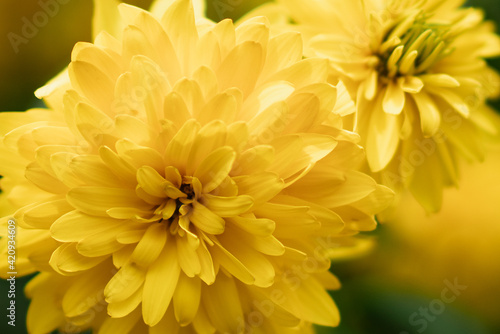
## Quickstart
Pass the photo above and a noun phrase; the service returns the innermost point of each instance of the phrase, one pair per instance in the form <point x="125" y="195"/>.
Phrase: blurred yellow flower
<point x="417" y="72"/>
<point x="197" y="172"/>
<point x="460" y="243"/>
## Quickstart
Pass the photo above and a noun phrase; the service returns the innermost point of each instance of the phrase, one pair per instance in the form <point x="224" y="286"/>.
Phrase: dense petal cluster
<point x="417" y="72"/>
<point x="189" y="177"/>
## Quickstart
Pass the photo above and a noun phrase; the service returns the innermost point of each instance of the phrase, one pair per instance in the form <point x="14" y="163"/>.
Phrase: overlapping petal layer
<point x="418" y="73"/>
<point x="199" y="172"/>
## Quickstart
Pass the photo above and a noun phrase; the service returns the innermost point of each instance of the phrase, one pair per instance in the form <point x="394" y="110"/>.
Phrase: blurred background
<point x="437" y="274"/>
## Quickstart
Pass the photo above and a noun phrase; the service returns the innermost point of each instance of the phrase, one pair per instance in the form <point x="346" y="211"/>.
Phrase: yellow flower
<point x="417" y="72"/>
<point x="446" y="246"/>
<point x="197" y="172"/>
<point x="76" y="303"/>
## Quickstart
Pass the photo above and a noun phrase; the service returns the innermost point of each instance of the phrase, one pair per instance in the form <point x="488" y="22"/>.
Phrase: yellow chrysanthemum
<point x="417" y="72"/>
<point x="76" y="303"/>
<point x="197" y="173"/>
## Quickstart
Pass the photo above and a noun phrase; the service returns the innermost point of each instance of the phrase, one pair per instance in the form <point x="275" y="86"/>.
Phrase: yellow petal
<point x="44" y="215"/>
<point x="260" y="187"/>
<point x="331" y="222"/>
<point x="76" y="300"/>
<point x="456" y="101"/>
<point x="160" y="6"/>
<point x="411" y="85"/>
<point x="283" y="51"/>
<point x="187" y="299"/>
<point x="255" y="262"/>
<point x="168" y="324"/>
<point x="407" y="62"/>
<point x="191" y="93"/>
<point x="207" y="80"/>
<point x="106" y="18"/>
<point x="382" y="140"/>
<point x="265" y="96"/>
<point x="175" y="109"/>
<point x="151" y="245"/>
<point x="188" y="257"/>
<point x="318" y="14"/>
<point x="223" y="295"/>
<point x="75" y="225"/>
<point x="206" y="220"/>
<point x="151" y="181"/>
<point x="97" y="200"/>
<point x="207" y="273"/>
<point x="177" y="151"/>
<point x="295" y="153"/>
<point x="227" y="206"/>
<point x="430" y="116"/>
<point x="124" y="283"/>
<point x="375" y="202"/>
<point x="90" y="53"/>
<point x="54" y="90"/>
<point x="371" y="85"/>
<point x="163" y="51"/>
<point x="394" y="99"/>
<point x="120" y="325"/>
<point x="44" y="313"/>
<point x="209" y="138"/>
<point x="126" y="213"/>
<point x="125" y="307"/>
<point x="428" y="187"/>
<point x="254" y="29"/>
<point x="60" y="163"/>
<point x="267" y="124"/>
<point x="160" y="284"/>
<point x="179" y="24"/>
<point x="257" y="226"/>
<point x="242" y="67"/>
<point x="223" y="106"/>
<point x="120" y="258"/>
<point x="97" y="86"/>
<point x="118" y="166"/>
<point x="131" y="236"/>
<point x="254" y="160"/>
<point x="139" y="156"/>
<point x="313" y="304"/>
<point x="98" y="244"/>
<point x="66" y="259"/>
<point x="304" y="72"/>
<point x="267" y="244"/>
<point x="209" y="49"/>
<point x="147" y="75"/>
<point x="333" y="193"/>
<point x="93" y="171"/>
<point x="316" y="99"/>
<point x="439" y="80"/>
<point x="39" y="177"/>
<point x="290" y="221"/>
<point x="215" y="167"/>
<point x="53" y="135"/>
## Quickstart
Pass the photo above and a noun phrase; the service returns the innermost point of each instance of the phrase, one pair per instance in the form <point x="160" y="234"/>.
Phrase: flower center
<point x="412" y="47"/>
<point x="176" y="206"/>
<point x="187" y="189"/>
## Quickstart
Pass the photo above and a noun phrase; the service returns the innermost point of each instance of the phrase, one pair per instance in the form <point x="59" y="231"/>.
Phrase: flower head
<point x="197" y="171"/>
<point x="417" y="72"/>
